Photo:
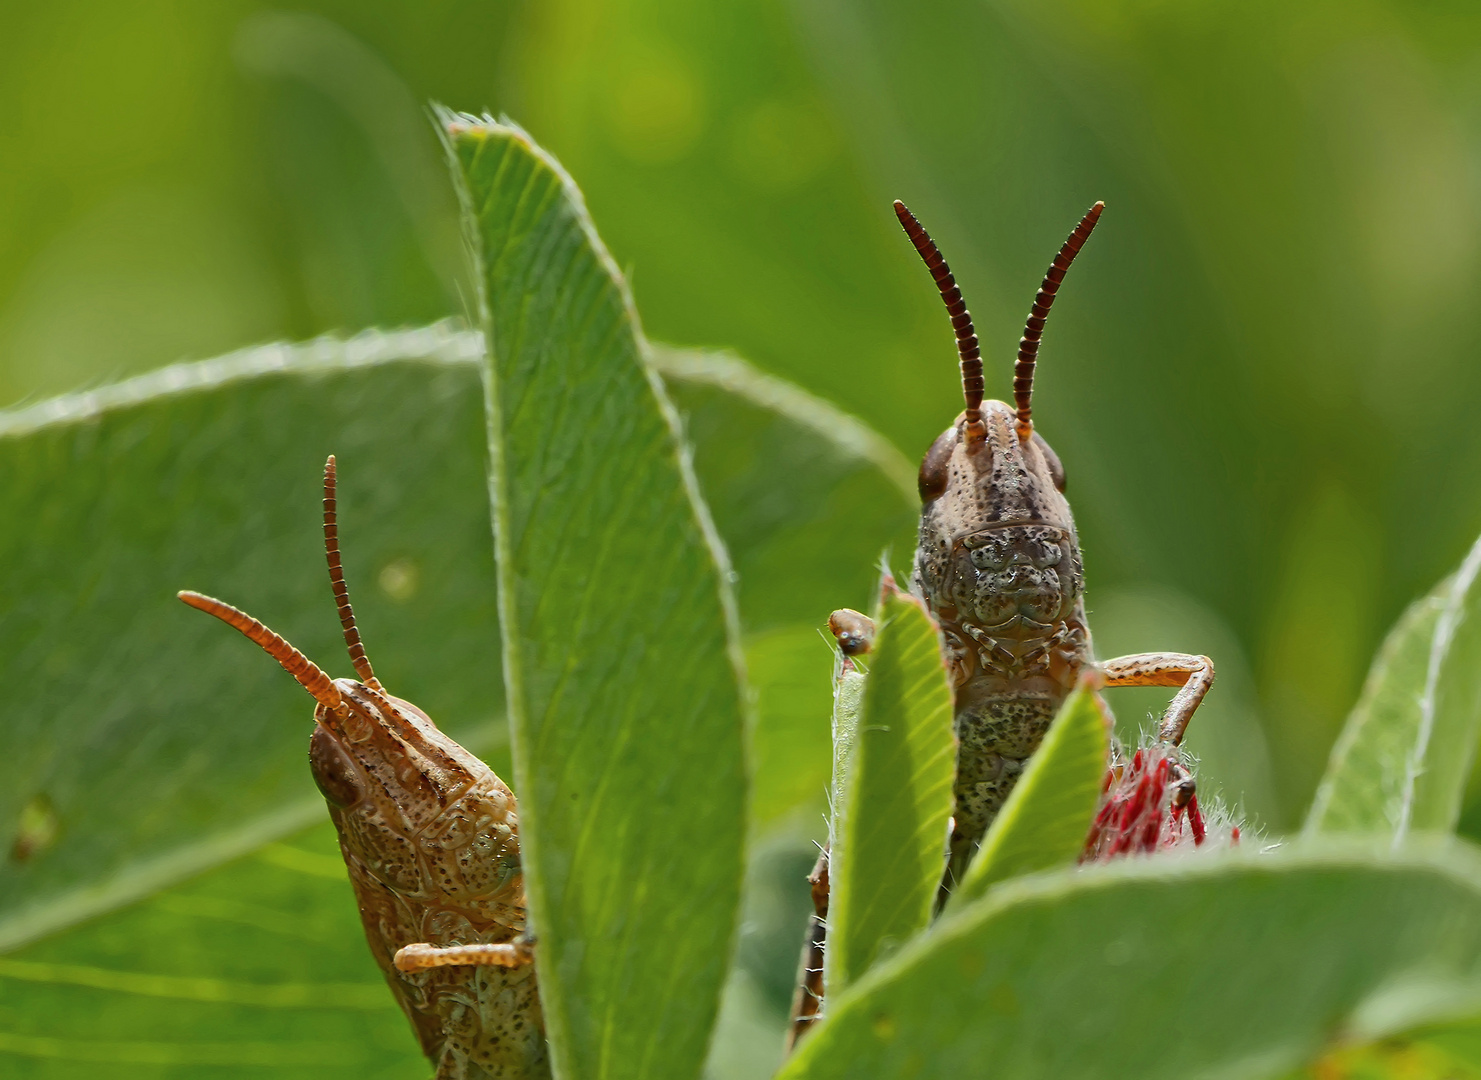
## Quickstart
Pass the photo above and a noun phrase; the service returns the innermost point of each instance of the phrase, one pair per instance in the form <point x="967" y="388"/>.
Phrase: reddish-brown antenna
<point x="337" y="581"/>
<point x="1028" y="345"/>
<point x="308" y="674"/>
<point x="961" y="318"/>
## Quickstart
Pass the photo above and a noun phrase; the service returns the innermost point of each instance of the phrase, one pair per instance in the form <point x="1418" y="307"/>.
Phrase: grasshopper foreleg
<point x="1195" y="674"/>
<point x="509" y="954"/>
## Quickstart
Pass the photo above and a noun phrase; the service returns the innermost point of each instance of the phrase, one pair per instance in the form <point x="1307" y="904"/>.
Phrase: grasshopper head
<point x="998" y="548"/>
<point x="420" y="813"/>
<point x="986" y="473"/>
<point x="997" y="539"/>
<point x="414" y="810"/>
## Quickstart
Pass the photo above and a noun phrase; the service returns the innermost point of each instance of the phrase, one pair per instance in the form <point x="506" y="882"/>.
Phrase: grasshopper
<point x="998" y="565"/>
<point x="430" y="837"/>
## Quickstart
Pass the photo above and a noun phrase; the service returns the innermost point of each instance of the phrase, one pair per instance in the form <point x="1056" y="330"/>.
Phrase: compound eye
<point x="337" y="777"/>
<point x="935" y="466"/>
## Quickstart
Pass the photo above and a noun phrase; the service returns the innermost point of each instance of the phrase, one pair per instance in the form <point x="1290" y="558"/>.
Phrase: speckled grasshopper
<point x="430" y="837"/>
<point x="998" y="565"/>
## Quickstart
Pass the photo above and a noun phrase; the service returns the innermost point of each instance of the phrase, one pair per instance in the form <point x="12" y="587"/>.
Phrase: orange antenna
<point x="337" y="581"/>
<point x="956" y="307"/>
<point x="308" y="674"/>
<point x="1033" y="331"/>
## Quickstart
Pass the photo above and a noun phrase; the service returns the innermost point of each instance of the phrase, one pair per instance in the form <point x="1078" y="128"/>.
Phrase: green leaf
<point x="1045" y="820"/>
<point x="889" y="845"/>
<point x="848" y="704"/>
<point x="1456" y="1043"/>
<point x="1404" y="756"/>
<point x="1451" y="1050"/>
<point x="1363" y="787"/>
<point x="1235" y="965"/>
<point x="806" y="497"/>
<point x="260" y="964"/>
<point x="186" y="477"/>
<point x="145" y="744"/>
<point x="619" y="633"/>
<point x="155" y="742"/>
<point x="795" y="449"/>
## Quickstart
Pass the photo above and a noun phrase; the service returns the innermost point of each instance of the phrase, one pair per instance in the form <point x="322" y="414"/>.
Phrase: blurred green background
<point x="1261" y="376"/>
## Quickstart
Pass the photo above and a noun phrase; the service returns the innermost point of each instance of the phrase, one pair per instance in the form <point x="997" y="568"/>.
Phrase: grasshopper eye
<point x="335" y="774"/>
<point x="1056" y="469"/>
<point x="934" y="466"/>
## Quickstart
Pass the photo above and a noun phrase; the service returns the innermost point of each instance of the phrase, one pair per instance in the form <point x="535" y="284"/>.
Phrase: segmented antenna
<point x="308" y="674"/>
<point x="956" y="307"/>
<point x="1033" y="331"/>
<point x="337" y="581"/>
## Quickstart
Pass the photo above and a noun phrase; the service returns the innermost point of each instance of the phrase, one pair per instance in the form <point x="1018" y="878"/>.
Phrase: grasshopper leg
<point x="1195" y="674"/>
<point x="807" y="1001"/>
<point x="510" y="954"/>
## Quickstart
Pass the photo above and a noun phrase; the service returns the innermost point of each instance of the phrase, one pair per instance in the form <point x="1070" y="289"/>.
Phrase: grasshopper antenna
<point x="1033" y="331"/>
<point x="308" y="674"/>
<point x="961" y="319"/>
<point x="337" y="581"/>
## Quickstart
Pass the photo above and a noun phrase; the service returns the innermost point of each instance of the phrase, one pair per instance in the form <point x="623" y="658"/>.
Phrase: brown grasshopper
<point x="430" y="837"/>
<point x="998" y="565"/>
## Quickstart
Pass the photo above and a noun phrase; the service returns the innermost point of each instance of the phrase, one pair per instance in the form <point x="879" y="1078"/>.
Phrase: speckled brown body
<point x="431" y="840"/>
<point x="998" y="564"/>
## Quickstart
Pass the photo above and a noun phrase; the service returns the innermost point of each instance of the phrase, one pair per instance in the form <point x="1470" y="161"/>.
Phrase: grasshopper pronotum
<point x="998" y="565"/>
<point x="430" y="837"/>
